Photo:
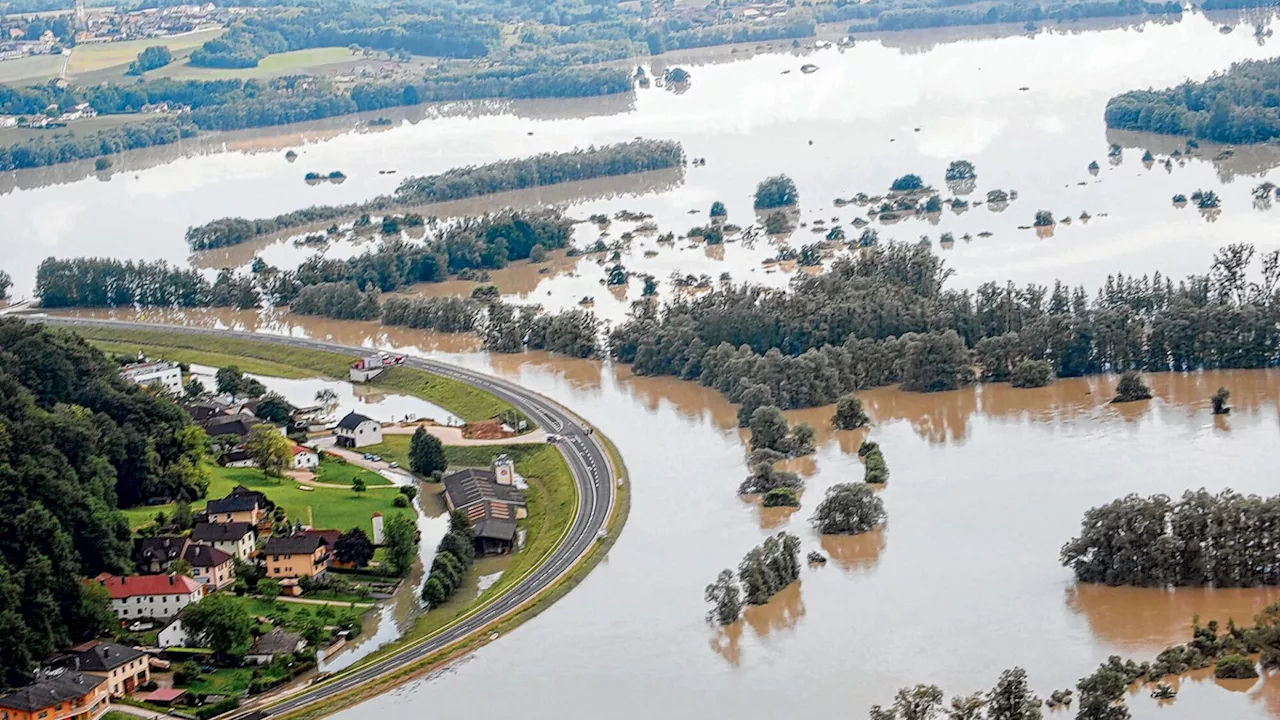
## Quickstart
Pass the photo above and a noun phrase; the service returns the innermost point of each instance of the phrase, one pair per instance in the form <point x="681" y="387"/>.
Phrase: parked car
<point x="393" y="465"/>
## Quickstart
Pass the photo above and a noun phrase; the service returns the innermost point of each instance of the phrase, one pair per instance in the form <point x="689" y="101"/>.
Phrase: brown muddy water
<point x="986" y="485"/>
<point x="888" y="106"/>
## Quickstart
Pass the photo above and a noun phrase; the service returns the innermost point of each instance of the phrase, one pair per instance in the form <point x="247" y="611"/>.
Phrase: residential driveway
<point x="355" y="457"/>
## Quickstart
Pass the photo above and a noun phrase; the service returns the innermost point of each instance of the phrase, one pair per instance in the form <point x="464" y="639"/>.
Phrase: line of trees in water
<point x="1224" y="540"/>
<point x="764" y="572"/>
<point x="885" y="317"/>
<point x="1240" y="105"/>
<point x="488" y="242"/>
<point x="1101" y="694"/>
<point x="241" y="104"/>
<point x="897" y="15"/>
<point x="458" y="183"/>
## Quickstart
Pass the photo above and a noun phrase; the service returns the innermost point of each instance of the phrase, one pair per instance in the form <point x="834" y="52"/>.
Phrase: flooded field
<point x="986" y="485"/>
<point x="1025" y="108"/>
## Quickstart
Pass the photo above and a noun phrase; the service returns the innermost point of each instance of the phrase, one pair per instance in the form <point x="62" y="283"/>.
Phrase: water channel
<point x="987" y="483"/>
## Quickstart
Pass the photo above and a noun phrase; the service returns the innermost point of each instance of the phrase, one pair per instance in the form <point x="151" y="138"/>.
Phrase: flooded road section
<point x="1026" y="109"/>
<point x="986" y="485"/>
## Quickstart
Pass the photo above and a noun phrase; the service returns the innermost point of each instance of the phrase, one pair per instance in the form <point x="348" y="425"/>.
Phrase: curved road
<point x="585" y="455"/>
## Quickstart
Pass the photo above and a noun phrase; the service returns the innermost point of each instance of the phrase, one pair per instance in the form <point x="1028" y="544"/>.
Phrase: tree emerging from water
<point x="775" y="192"/>
<point x="1190" y="542"/>
<point x="848" y="509"/>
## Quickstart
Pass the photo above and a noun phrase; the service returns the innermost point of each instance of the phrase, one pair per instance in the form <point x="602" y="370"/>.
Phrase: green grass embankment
<point x="265" y="358"/>
<point x="617" y="518"/>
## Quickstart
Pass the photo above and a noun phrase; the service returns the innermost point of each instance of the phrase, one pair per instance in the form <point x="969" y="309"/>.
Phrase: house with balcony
<point x="237" y="539"/>
<point x="124" y="668"/>
<point x="61" y="695"/>
<point x="295" y="556"/>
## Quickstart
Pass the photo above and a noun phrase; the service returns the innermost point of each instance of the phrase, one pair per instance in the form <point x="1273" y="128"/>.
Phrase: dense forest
<point x="899" y="15"/>
<point x="458" y="183"/>
<point x="885" y="317"/>
<point x="241" y="104"/>
<point x="1197" y="540"/>
<point x="1241" y="105"/>
<point x="76" y="443"/>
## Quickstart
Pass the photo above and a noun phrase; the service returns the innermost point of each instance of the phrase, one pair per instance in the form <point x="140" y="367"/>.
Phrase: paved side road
<point x="585" y="455"/>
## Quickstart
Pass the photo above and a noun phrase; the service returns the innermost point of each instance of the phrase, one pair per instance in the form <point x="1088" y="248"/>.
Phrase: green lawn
<point x="337" y="472"/>
<point x="30" y="70"/>
<point x="101" y="56"/>
<point x="325" y="508"/>
<point x="457" y="397"/>
<point x="201" y="357"/>
<point x="396" y="447"/>
<point x="295" y="62"/>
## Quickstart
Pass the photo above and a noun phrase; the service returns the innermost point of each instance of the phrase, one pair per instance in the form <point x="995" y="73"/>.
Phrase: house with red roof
<point x="150" y="596"/>
<point x="304" y="458"/>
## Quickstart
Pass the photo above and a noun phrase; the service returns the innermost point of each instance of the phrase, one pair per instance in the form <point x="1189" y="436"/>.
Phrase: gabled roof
<point x="239" y="424"/>
<point x="472" y="485"/>
<point x="41" y="694"/>
<point x="136" y="585"/>
<point x="276" y="641"/>
<point x="220" y="532"/>
<point x="495" y="529"/>
<point x="300" y="449"/>
<point x="233" y="503"/>
<point x="301" y="544"/>
<point x="353" y="420"/>
<point x="330" y="536"/>
<point x="102" y="656"/>
<point x="165" y="548"/>
<point x="205" y="556"/>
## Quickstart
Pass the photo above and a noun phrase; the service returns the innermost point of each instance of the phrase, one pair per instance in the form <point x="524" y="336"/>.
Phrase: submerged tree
<point x="725" y="598"/>
<point x="1131" y="388"/>
<point x="1032" y="374"/>
<point x="1219" y="400"/>
<point x="775" y="192"/>
<point x="848" y="509"/>
<point x="849" y="413"/>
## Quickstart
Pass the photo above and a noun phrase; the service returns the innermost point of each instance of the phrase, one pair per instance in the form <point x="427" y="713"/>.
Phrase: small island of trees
<point x="766" y="570"/>
<point x="776" y="192"/>
<point x="848" y="509"/>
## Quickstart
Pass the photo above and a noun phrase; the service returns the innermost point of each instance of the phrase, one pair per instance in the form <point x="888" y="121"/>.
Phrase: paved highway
<point x="585" y="455"/>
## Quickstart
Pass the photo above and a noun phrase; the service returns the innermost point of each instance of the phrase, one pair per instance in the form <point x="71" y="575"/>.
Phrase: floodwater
<point x="986" y="485"/>
<point x="885" y="107"/>
<point x="365" y="399"/>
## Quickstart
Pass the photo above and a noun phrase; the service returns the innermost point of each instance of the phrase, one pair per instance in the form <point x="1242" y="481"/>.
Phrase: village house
<point x="238" y="539"/>
<point x="65" y="695"/>
<point x="173" y="634"/>
<point x="158" y="374"/>
<point x="295" y="556"/>
<point x="276" y="642"/>
<point x="304" y="458"/>
<point x="492" y="502"/>
<point x="124" y="668"/>
<point x="241" y="505"/>
<point x="150" y="596"/>
<point x="210" y="566"/>
<point x="356" y="430"/>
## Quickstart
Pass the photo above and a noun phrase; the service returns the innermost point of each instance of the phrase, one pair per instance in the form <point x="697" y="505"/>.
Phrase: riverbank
<point x="566" y="582"/>
<point x="465" y="401"/>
